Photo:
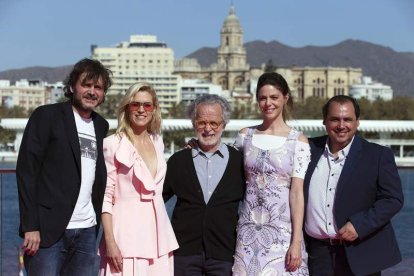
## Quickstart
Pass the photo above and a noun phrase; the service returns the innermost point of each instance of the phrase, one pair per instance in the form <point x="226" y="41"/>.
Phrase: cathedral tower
<point x="231" y="53"/>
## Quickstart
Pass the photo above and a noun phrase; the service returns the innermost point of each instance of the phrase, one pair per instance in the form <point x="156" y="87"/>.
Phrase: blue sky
<point x="60" y="32"/>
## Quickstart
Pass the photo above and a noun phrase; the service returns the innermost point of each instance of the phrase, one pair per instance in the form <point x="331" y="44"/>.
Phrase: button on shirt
<point x="320" y="222"/>
<point x="210" y="167"/>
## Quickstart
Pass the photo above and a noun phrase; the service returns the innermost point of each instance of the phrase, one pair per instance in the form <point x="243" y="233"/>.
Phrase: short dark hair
<point x="341" y="99"/>
<point x="94" y="71"/>
<point x="279" y="82"/>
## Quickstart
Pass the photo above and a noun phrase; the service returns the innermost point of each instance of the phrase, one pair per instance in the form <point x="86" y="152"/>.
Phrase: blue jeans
<point x="73" y="254"/>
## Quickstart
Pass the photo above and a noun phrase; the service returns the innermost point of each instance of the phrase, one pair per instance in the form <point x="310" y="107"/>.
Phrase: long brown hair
<point x="277" y="80"/>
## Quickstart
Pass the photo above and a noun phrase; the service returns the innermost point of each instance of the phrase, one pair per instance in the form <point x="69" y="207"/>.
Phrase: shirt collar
<point x="343" y="153"/>
<point x="220" y="151"/>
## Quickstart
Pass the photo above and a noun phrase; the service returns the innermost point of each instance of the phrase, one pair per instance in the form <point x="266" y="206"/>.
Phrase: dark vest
<point x="199" y="226"/>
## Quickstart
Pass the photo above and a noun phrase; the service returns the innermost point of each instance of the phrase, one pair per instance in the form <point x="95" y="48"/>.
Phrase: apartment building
<point x="141" y="59"/>
<point x="28" y="94"/>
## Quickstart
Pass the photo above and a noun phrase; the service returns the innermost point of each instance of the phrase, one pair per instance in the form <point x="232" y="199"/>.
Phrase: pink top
<point x="134" y="198"/>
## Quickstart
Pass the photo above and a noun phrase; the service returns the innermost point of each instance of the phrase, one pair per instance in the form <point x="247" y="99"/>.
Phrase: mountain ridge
<point x="382" y="63"/>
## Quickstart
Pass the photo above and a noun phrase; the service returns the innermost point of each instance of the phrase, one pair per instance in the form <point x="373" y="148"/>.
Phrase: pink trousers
<point x="140" y="267"/>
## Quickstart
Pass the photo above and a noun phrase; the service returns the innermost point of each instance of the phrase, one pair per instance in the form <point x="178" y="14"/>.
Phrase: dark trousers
<point x="199" y="265"/>
<point x="73" y="254"/>
<point x="325" y="259"/>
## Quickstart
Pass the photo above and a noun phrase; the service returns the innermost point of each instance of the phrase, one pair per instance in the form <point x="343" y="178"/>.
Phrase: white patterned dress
<point x="264" y="227"/>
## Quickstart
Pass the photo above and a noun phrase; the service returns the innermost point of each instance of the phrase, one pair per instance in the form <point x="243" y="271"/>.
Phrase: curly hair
<point x="92" y="70"/>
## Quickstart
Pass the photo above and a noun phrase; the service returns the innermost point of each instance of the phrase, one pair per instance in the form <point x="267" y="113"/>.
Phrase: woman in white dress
<point x="276" y="156"/>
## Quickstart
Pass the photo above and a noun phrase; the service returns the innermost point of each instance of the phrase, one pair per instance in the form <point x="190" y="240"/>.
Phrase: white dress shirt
<point x="320" y="221"/>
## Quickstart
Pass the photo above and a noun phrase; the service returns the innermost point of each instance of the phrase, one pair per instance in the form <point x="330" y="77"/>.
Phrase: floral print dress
<point x="264" y="227"/>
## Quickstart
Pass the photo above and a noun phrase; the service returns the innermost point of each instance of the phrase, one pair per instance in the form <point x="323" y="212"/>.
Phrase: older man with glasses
<point x="208" y="181"/>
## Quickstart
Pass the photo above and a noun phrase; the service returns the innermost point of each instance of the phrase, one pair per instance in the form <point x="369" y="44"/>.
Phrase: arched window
<point x="223" y="83"/>
<point x="238" y="81"/>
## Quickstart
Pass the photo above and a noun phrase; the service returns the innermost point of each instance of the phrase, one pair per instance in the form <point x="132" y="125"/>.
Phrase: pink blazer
<point x="134" y="198"/>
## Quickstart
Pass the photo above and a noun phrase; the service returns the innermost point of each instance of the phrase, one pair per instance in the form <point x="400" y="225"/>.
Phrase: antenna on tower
<point x="231" y="7"/>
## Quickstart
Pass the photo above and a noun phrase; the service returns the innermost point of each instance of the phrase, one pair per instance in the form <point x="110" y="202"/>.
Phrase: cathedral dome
<point x="231" y="23"/>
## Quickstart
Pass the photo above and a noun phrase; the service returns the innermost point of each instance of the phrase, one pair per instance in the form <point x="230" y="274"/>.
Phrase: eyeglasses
<point x="203" y="124"/>
<point x="134" y="106"/>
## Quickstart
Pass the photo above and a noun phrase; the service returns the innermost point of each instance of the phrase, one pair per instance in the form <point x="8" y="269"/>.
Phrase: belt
<point x="333" y="241"/>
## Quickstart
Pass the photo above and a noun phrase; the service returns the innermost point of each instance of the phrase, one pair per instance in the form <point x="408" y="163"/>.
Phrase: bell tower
<point x="231" y="53"/>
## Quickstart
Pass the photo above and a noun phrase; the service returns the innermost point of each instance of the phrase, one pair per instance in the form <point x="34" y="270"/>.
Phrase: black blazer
<point x="49" y="171"/>
<point x="199" y="226"/>
<point x="368" y="194"/>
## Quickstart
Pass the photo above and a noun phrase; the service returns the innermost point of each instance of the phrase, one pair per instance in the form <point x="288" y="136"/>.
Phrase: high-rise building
<point x="141" y="59"/>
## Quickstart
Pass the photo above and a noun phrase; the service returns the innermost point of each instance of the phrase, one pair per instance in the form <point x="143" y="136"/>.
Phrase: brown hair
<point x="277" y="80"/>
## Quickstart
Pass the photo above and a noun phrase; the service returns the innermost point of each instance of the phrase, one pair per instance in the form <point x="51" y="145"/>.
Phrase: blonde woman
<point x="138" y="237"/>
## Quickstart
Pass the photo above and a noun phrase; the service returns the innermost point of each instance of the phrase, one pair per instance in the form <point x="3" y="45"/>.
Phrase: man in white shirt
<point x="352" y="190"/>
<point x="61" y="176"/>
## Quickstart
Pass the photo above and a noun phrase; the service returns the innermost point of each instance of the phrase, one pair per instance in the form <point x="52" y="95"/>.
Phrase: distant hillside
<point x="381" y="63"/>
<point x="49" y="74"/>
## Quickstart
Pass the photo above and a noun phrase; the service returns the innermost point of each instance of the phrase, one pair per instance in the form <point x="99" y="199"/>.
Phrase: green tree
<point x="270" y="67"/>
<point x="402" y="108"/>
<point x="109" y="108"/>
<point x="244" y="110"/>
<point x="176" y="137"/>
<point x="311" y="108"/>
<point x="177" y="111"/>
<point x="7" y="136"/>
<point x="368" y="112"/>
<point x="12" y="112"/>
<point x="382" y="112"/>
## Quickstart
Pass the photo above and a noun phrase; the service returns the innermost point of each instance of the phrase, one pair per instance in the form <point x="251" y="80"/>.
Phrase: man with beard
<point x="352" y="190"/>
<point x="61" y="176"/>
<point x="209" y="184"/>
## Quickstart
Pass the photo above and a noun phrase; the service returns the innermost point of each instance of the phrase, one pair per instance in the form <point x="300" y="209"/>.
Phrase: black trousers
<point x="199" y="265"/>
<point x="325" y="259"/>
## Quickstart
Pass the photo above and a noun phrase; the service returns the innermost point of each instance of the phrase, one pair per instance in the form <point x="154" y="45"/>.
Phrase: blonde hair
<point x="124" y="124"/>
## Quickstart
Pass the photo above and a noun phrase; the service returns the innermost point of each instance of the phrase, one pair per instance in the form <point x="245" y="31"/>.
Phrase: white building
<point x="24" y="93"/>
<point x="192" y="88"/>
<point x="56" y="92"/>
<point x="141" y="59"/>
<point x="371" y="90"/>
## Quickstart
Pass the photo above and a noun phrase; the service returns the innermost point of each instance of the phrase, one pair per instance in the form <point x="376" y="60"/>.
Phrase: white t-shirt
<point x="84" y="215"/>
